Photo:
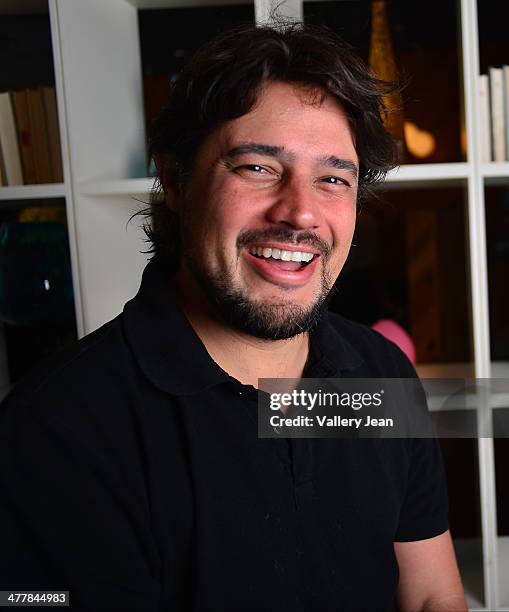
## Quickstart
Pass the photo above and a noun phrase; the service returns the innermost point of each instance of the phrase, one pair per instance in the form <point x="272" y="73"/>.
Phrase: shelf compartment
<point x="27" y="56"/>
<point x="28" y="76"/>
<point x="408" y="265"/>
<point x="461" y="457"/>
<point x="37" y="311"/>
<point x="169" y="37"/>
<point x="432" y="62"/>
<point x="497" y="242"/>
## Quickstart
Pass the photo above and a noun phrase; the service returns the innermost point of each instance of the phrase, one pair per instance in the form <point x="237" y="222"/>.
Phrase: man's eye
<point x="252" y="168"/>
<point x="255" y="172"/>
<point x="335" y="180"/>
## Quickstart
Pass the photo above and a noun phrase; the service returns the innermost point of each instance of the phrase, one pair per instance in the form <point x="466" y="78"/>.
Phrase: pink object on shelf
<point x="395" y="333"/>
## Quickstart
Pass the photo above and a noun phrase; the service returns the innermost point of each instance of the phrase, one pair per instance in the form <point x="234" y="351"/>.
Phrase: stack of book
<point x="494" y="114"/>
<point x="29" y="137"/>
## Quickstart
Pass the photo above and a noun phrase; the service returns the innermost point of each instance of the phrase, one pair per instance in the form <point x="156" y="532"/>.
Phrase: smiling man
<point x="131" y="473"/>
<point x="280" y="183"/>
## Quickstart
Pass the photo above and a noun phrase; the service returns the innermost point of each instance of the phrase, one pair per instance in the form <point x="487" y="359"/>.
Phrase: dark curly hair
<point x="222" y="82"/>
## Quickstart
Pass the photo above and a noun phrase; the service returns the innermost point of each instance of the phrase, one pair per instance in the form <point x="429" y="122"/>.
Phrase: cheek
<point x="220" y="222"/>
<point x="343" y="231"/>
<point x="343" y="227"/>
<point x="233" y="213"/>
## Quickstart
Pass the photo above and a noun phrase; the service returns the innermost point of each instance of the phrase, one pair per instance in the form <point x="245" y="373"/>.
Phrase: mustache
<point x="284" y="234"/>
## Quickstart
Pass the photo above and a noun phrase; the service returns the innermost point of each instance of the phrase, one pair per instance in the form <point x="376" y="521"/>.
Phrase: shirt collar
<point x="330" y="353"/>
<point x="174" y="359"/>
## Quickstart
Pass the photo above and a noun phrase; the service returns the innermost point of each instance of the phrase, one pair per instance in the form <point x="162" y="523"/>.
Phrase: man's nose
<point x="297" y="205"/>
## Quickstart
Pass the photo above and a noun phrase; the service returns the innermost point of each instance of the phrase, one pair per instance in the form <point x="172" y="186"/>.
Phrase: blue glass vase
<point x="35" y="273"/>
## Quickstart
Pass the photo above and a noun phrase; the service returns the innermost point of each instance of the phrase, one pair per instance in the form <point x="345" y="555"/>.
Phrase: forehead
<point x="299" y="119"/>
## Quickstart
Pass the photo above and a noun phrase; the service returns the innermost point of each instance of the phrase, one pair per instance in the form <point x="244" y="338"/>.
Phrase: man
<point x="131" y="473"/>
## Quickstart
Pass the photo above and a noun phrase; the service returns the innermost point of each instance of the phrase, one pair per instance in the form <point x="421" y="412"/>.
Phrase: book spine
<point x="38" y="129"/>
<point x="505" y="80"/>
<point x="9" y="142"/>
<point x="497" y="114"/>
<point x="20" y="99"/>
<point x="484" y="115"/>
<point x="55" y="152"/>
<point x="4" y="365"/>
<point x="2" y="169"/>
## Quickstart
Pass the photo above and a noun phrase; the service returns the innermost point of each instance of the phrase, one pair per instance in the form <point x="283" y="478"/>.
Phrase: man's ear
<point x="167" y="178"/>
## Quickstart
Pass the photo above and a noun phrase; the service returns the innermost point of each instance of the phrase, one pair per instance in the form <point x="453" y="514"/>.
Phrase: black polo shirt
<point x="131" y="475"/>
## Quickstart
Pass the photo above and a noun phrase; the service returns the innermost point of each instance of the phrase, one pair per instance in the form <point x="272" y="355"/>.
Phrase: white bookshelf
<point x="126" y="187"/>
<point x="98" y="78"/>
<point x="428" y="175"/>
<point x="32" y="192"/>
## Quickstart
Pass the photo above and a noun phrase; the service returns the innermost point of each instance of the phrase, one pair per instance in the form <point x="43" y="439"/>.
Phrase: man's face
<point x="269" y="213"/>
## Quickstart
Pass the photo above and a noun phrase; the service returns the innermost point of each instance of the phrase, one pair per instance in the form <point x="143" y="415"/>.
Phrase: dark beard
<point x="267" y="321"/>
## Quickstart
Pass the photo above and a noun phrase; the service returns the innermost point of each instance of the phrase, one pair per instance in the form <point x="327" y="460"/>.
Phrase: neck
<point x="242" y="356"/>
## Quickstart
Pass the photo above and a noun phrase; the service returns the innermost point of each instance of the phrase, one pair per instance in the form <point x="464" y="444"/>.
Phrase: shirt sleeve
<point x="424" y="512"/>
<point x="66" y="522"/>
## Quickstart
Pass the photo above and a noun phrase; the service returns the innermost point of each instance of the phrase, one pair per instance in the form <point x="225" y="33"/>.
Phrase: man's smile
<point x="287" y="265"/>
<point x="282" y="253"/>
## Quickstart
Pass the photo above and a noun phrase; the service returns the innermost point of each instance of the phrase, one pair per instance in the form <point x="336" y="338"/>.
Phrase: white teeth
<point x="268" y="252"/>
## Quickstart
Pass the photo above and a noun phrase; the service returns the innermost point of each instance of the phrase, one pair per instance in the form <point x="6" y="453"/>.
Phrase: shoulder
<point x="75" y="374"/>
<point x="378" y="355"/>
<point x="81" y="407"/>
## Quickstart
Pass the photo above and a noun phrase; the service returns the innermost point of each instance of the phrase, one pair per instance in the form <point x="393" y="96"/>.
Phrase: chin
<point x="262" y="309"/>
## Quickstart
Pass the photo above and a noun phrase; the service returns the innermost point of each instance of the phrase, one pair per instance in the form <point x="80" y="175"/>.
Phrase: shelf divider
<point x="33" y="192"/>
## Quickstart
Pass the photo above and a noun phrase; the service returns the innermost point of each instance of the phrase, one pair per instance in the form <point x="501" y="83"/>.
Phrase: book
<point x="38" y="131"/>
<point x="9" y="142"/>
<point x="484" y="116"/>
<point x="2" y="171"/>
<point x="497" y="114"/>
<point x="22" y="113"/>
<point x="53" y="133"/>
<point x="505" y="70"/>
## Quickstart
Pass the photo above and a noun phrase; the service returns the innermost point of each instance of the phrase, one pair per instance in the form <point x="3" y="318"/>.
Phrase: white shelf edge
<point x="499" y="369"/>
<point x="115" y="188"/>
<point x="445" y="370"/>
<point x="495" y="170"/>
<point x="33" y="192"/>
<point x="469" y="401"/>
<point x="429" y="172"/>
<point x="169" y="4"/>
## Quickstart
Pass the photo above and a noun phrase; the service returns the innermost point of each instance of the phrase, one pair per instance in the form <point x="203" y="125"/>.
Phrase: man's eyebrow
<point x="339" y="164"/>
<point x="262" y="149"/>
<point x="331" y="161"/>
